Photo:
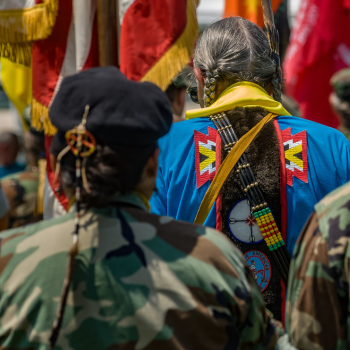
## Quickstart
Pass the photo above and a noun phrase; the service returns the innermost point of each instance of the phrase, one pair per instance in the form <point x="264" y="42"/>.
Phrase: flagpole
<point x="108" y="32"/>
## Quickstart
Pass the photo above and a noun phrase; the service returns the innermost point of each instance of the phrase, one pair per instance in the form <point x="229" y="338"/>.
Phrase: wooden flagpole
<point x="108" y="32"/>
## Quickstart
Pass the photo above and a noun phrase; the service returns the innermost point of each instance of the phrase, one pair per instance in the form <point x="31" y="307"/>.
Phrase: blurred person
<point x="340" y="99"/>
<point x="317" y="313"/>
<point x="176" y="93"/>
<point x="242" y="164"/>
<point x="21" y="188"/>
<point x="4" y="208"/>
<point x="132" y="279"/>
<point x="34" y="143"/>
<point x="9" y="147"/>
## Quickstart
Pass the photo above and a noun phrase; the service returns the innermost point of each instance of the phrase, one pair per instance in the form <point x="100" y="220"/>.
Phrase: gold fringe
<point x="18" y="28"/>
<point x="176" y="58"/>
<point x="28" y="24"/>
<point x="40" y="118"/>
<point x="19" y="53"/>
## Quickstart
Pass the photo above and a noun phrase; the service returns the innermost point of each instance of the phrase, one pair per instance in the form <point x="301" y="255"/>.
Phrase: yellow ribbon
<point x="226" y="167"/>
<point x="144" y="200"/>
<point x="241" y="94"/>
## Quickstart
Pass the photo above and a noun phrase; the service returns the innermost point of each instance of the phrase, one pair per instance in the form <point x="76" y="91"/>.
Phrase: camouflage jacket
<point x="317" y="313"/>
<point x="160" y="284"/>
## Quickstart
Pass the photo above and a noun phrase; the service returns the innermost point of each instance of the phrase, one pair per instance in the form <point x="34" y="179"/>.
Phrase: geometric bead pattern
<point x="269" y="229"/>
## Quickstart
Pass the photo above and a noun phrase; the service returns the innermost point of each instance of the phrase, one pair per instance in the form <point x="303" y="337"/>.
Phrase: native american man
<point x="254" y="171"/>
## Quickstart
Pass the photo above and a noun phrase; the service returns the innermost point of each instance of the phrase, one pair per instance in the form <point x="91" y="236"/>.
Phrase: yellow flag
<point x="17" y="83"/>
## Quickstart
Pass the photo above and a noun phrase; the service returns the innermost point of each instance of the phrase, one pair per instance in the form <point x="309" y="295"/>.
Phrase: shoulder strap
<point x="226" y="167"/>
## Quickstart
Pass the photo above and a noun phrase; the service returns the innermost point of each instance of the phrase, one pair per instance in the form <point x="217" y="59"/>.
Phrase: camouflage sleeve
<point x="250" y="326"/>
<point x="257" y="317"/>
<point x="313" y="312"/>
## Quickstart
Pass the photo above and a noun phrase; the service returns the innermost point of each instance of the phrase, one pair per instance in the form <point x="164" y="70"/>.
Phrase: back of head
<point x="8" y="138"/>
<point x="123" y="123"/>
<point x="233" y="50"/>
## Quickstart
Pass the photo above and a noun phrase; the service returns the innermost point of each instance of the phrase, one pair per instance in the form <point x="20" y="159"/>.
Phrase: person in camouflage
<point x="21" y="188"/>
<point x="317" y="311"/>
<point x="137" y="280"/>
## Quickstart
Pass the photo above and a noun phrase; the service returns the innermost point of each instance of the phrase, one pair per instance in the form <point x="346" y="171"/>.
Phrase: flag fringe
<point x="18" y="53"/>
<point x="29" y="24"/>
<point x="40" y="118"/>
<point x="180" y="53"/>
<point x="19" y="27"/>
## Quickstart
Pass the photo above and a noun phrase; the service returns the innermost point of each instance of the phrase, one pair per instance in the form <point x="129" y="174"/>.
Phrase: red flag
<point x="157" y="39"/>
<point x="249" y="9"/>
<point x="319" y="47"/>
<point x="71" y="47"/>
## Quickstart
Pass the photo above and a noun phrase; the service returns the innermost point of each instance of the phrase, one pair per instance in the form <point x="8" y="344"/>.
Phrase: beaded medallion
<point x="242" y="223"/>
<point x="260" y="267"/>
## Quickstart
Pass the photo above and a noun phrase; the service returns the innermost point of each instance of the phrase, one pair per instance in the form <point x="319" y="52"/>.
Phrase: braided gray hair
<point x="232" y="50"/>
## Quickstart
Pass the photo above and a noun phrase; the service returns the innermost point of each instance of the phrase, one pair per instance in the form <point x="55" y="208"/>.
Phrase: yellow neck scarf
<point x="241" y="94"/>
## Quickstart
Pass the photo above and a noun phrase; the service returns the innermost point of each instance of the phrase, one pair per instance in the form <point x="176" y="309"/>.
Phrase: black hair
<point x="109" y="172"/>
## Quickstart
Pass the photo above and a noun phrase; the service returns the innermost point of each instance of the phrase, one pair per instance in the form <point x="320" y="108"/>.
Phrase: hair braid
<point x="209" y="86"/>
<point x="276" y="86"/>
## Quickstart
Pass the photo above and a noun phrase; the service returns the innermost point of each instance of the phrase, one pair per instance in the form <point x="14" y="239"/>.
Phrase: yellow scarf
<point x="241" y="94"/>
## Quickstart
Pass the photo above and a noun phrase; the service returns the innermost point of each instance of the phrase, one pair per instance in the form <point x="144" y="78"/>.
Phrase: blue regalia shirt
<point x="328" y="167"/>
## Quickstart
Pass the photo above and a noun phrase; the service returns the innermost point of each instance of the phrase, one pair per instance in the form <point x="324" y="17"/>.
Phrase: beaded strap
<point x="260" y="209"/>
<point x="269" y="229"/>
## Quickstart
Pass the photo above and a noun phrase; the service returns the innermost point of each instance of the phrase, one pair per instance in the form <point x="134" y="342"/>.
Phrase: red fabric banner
<point x="71" y="47"/>
<point x="159" y="24"/>
<point x="48" y="55"/>
<point x="319" y="47"/>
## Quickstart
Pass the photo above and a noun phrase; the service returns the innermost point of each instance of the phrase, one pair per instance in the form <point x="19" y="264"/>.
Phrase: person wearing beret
<point x="108" y="274"/>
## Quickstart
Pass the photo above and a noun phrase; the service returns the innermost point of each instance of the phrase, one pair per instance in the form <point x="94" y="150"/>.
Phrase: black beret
<point x="122" y="112"/>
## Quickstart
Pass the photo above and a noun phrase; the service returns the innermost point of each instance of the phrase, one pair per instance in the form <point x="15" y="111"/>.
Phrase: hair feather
<point x="269" y="23"/>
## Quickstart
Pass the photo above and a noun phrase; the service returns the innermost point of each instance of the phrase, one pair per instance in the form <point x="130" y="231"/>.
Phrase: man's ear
<point x="199" y="76"/>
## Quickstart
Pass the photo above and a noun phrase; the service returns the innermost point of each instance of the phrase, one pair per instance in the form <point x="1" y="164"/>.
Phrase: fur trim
<point x="263" y="155"/>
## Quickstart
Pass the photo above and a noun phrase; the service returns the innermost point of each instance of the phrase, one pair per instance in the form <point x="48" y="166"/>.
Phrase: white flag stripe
<point x="84" y="19"/>
<point x="79" y="40"/>
<point x="123" y="7"/>
<point x="16" y="4"/>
